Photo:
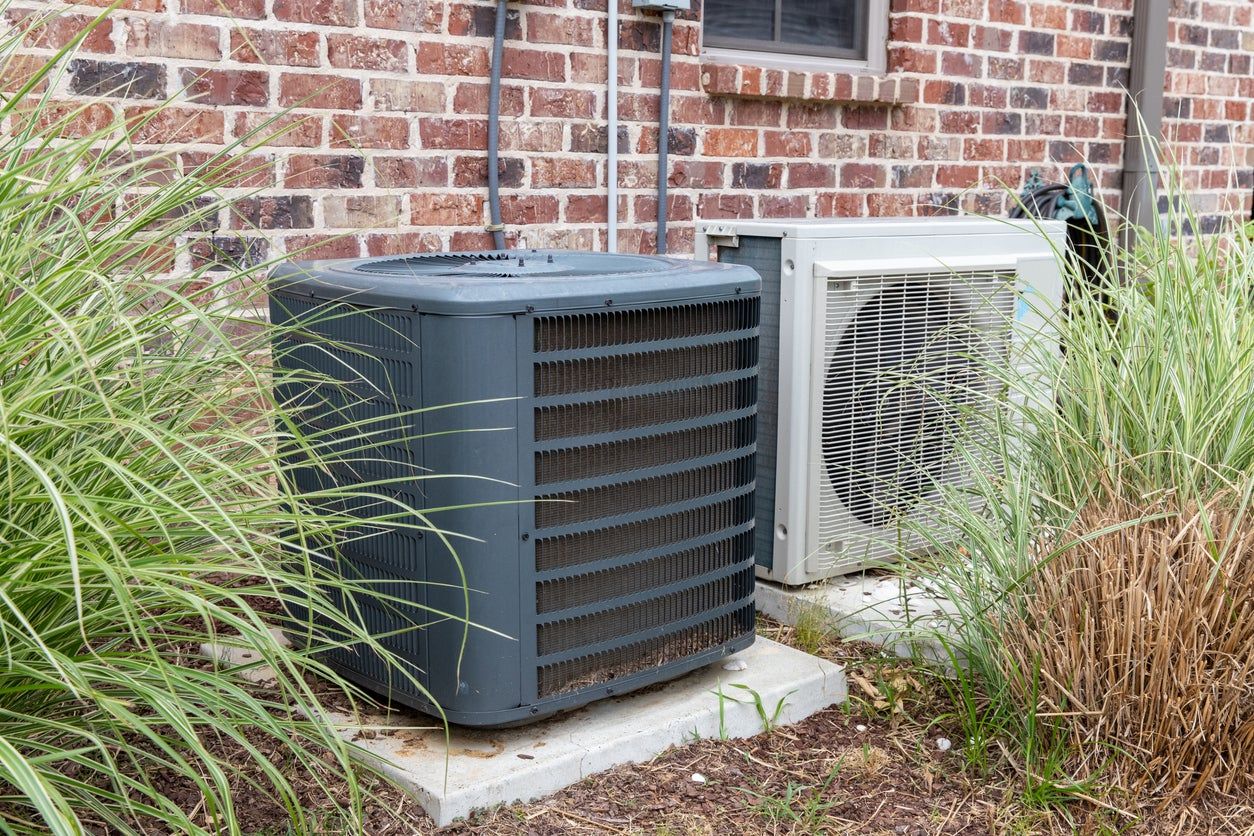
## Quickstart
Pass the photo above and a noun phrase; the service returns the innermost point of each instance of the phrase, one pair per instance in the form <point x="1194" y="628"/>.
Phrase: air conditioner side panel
<point x="764" y="256"/>
<point x="471" y="441"/>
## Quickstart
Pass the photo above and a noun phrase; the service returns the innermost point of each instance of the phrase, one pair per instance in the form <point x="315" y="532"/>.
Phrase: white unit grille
<point x="903" y="357"/>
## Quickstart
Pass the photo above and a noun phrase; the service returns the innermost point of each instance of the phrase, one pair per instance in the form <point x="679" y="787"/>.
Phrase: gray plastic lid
<point x="511" y="281"/>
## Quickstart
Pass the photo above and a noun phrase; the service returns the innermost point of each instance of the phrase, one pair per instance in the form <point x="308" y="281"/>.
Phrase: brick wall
<point x="385" y="151"/>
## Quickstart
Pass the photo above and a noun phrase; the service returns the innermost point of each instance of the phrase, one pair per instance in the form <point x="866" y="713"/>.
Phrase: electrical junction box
<point x="663" y="5"/>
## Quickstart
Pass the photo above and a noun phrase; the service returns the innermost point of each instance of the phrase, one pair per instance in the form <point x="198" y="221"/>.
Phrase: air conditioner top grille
<point x="512" y="281"/>
<point x="520" y="264"/>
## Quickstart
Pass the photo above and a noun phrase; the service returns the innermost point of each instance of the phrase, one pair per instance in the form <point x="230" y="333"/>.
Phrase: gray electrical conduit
<point x="494" y="132"/>
<point x="663" y="129"/>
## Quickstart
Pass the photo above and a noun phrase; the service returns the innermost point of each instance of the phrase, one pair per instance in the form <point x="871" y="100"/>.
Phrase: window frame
<point x="873" y="34"/>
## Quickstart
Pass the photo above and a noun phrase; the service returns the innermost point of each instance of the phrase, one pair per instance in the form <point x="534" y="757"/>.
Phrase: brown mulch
<point x="869" y="767"/>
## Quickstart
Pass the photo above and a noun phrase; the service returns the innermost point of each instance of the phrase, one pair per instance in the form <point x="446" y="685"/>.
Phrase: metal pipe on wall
<point x="1146" y="85"/>
<point x="494" y="131"/>
<point x="611" y="139"/>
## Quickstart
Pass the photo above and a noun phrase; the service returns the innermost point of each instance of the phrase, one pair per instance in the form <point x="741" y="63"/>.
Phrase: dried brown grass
<point x="1143" y="636"/>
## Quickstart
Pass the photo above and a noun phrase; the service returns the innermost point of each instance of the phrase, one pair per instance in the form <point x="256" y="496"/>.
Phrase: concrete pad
<point x="482" y="768"/>
<point x="880" y="609"/>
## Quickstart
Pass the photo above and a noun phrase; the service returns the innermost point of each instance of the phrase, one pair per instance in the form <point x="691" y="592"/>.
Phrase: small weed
<point x="811" y="628"/>
<point x="803" y="806"/>
<point x="769" y="721"/>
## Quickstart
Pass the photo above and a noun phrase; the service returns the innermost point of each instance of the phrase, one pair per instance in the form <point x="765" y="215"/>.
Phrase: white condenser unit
<point x="874" y="332"/>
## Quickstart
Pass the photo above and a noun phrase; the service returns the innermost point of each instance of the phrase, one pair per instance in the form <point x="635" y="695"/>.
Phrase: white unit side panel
<point x="792" y="492"/>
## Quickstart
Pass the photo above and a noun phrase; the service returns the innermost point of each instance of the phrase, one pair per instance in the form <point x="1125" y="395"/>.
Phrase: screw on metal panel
<point x="526" y="536"/>
<point x="535" y="710"/>
<point x="785" y="234"/>
<point x="737" y="291"/>
<point x="531" y="309"/>
<point x="609" y="301"/>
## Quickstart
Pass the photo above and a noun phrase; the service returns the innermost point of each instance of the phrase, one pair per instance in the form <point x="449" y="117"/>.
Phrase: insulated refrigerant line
<point x="494" y="131"/>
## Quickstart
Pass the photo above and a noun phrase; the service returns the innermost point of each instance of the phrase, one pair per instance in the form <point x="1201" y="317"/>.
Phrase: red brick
<point x="322" y="246"/>
<point x="446" y="209"/>
<point x="407" y="96"/>
<point x="463" y="241"/>
<point x="529" y="209"/>
<point x="361" y="211"/>
<point x="731" y="142"/>
<point x="403" y="243"/>
<point x="237" y="9"/>
<point x="261" y="46"/>
<point x="174" y="125"/>
<point x="948" y="33"/>
<point x="472" y="97"/>
<point x="586" y="209"/>
<point x="324" y="171"/>
<point x="327" y="92"/>
<point x="559" y="173"/>
<point x="811" y="175"/>
<point x="561" y="102"/>
<point x="533" y="136"/>
<point x="697" y="174"/>
<point x="911" y="60"/>
<point x="404" y="15"/>
<point x="588" y="67"/>
<point x="247" y="171"/>
<point x="367" y="53"/>
<point x="155" y="37"/>
<point x="891" y="205"/>
<point x="983" y="149"/>
<point x="226" y="87"/>
<point x="787" y="143"/>
<point x="284" y="130"/>
<point x="838" y="205"/>
<point x="438" y="58"/>
<point x="352" y="131"/>
<point x="445" y="134"/>
<point x="962" y="64"/>
<point x="784" y="206"/>
<point x="543" y="28"/>
<point x="957" y="176"/>
<point x="717" y="206"/>
<point x="322" y="12"/>
<point x="533" y="64"/>
<point x="1007" y="11"/>
<point x="410" y="172"/>
<point x="59" y="31"/>
<point x="862" y="176"/>
<point x="69" y="120"/>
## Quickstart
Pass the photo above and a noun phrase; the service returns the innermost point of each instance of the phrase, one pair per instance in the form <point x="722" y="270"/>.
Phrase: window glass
<point x="749" y="20"/>
<point x="832" y="24"/>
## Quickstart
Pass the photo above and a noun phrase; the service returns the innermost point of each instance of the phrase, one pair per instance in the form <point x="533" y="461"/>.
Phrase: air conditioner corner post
<point x="792" y="497"/>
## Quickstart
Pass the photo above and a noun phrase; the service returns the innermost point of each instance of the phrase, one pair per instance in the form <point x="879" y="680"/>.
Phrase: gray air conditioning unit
<point x="612" y="398"/>
<point x="875" y="334"/>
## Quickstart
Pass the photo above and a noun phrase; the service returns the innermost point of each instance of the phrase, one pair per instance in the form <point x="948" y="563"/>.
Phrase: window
<point x="847" y="30"/>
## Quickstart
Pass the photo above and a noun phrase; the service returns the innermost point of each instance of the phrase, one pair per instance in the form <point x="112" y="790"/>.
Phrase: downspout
<point x="664" y="129"/>
<point x="494" y="132"/>
<point x="611" y="105"/>
<point x="1145" y="117"/>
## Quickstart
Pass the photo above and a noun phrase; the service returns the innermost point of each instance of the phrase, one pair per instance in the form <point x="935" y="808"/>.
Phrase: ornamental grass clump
<point x="143" y="511"/>
<point x="1101" y="562"/>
